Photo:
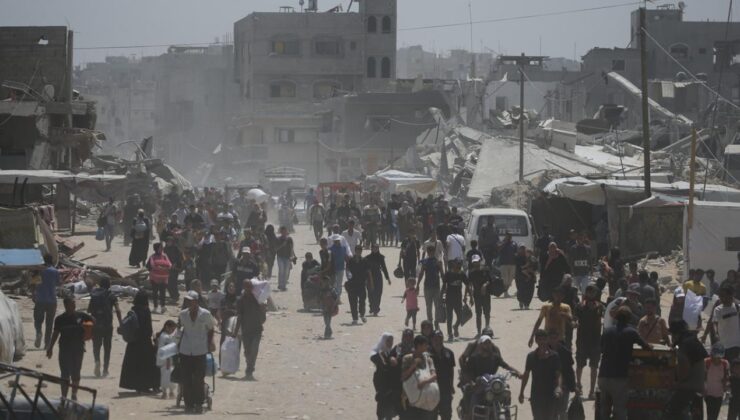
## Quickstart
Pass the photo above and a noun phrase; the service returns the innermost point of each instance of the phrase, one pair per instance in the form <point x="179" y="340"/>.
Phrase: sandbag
<point x="426" y="398"/>
<point x="230" y="356"/>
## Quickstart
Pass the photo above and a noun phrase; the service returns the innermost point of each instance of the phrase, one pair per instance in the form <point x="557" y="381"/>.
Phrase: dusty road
<point x="299" y="374"/>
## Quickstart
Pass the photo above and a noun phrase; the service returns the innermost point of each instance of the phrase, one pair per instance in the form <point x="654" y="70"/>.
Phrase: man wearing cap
<point x="196" y="341"/>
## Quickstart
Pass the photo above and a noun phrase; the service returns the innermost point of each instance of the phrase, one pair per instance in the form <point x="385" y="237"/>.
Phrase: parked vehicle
<point x="516" y="222"/>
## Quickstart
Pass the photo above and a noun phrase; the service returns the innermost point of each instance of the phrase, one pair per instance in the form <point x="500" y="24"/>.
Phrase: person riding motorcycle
<point x="481" y="357"/>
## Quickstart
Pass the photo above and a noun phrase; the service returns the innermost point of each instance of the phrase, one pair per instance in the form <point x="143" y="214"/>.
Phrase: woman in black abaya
<point x="139" y="371"/>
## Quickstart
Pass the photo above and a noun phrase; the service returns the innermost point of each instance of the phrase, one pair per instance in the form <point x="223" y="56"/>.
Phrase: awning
<point x="399" y="181"/>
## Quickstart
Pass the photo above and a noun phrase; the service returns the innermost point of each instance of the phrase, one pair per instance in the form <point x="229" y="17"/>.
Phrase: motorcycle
<point x="488" y="398"/>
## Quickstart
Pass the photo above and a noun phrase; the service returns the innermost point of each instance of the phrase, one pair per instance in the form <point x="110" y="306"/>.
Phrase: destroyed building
<point x="43" y="125"/>
<point x="287" y="62"/>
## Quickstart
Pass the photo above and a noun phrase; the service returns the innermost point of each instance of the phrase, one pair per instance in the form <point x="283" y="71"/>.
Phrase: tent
<point x="395" y="181"/>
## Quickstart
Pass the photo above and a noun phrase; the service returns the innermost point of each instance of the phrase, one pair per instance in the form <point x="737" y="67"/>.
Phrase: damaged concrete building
<point x="288" y="62"/>
<point x="43" y="125"/>
<point x="414" y="62"/>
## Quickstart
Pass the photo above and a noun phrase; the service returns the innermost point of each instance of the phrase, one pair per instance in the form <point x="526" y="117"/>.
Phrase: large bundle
<point x="12" y="345"/>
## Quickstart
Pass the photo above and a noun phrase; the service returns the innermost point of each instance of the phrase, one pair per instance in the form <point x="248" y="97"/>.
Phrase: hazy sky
<point x="108" y="23"/>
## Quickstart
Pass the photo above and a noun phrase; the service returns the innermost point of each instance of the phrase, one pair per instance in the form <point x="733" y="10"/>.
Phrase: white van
<point x="516" y="222"/>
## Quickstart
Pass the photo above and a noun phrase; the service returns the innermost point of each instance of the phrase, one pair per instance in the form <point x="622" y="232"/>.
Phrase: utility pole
<point x="318" y="162"/>
<point x="645" y="110"/>
<point x="521" y="61"/>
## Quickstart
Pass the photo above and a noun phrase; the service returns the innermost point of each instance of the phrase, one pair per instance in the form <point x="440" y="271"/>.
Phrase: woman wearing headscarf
<point x="141" y="231"/>
<point x="270" y="246"/>
<point x="385" y="377"/>
<point x="406" y="346"/>
<point x="553" y="270"/>
<point x="139" y="369"/>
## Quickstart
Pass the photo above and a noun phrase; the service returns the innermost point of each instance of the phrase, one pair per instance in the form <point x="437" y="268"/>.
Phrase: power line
<point x="522" y="17"/>
<point x="414" y="28"/>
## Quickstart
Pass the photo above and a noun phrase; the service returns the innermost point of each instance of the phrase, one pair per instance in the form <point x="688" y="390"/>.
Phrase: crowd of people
<point x="594" y="307"/>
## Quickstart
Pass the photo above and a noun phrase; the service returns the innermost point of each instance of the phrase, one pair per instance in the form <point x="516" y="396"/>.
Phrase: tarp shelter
<point x="395" y="181"/>
<point x="714" y="238"/>
<point x="24" y="238"/>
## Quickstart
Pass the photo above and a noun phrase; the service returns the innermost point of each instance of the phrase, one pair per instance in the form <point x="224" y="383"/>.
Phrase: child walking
<point x="717" y="376"/>
<point x="411" y="298"/>
<point x="164" y="337"/>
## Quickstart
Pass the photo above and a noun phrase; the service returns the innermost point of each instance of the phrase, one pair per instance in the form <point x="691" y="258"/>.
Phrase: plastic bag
<point x="576" y="411"/>
<point x="261" y="290"/>
<point x="230" y="356"/>
<point x="466" y="314"/>
<point x="692" y="309"/>
<point x="100" y="234"/>
<point x="165" y="352"/>
<point x="211" y="365"/>
<point x="426" y="398"/>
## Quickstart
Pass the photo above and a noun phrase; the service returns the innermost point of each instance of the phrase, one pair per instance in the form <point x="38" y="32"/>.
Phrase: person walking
<point x="270" y="249"/>
<point x="69" y="330"/>
<point x="411" y="363"/>
<point x="384" y="377"/>
<point x="285" y="252"/>
<point x="411" y="298"/>
<point x="176" y="257"/>
<point x="717" y="379"/>
<point x="196" y="342"/>
<point x="378" y="269"/>
<point x="431" y="269"/>
<point x="726" y="318"/>
<point x="543" y="364"/>
<point x="588" y="315"/>
<point x="452" y="296"/>
<point x="580" y="260"/>
<point x="138" y="370"/>
<point x="556" y="315"/>
<point x="359" y="279"/>
<point x="141" y="231"/>
<point x="109" y="218"/>
<point x="409" y="256"/>
<point x="616" y="353"/>
<point x="526" y="276"/>
<point x="251" y="317"/>
<point x="507" y="261"/>
<point x="339" y="257"/>
<point x="554" y="267"/>
<point x="317" y="214"/>
<point x="444" y="361"/>
<point x="159" y="267"/>
<point x="691" y="373"/>
<point x="101" y="307"/>
<point x="45" y="302"/>
<point x="479" y="290"/>
<point x="164" y="338"/>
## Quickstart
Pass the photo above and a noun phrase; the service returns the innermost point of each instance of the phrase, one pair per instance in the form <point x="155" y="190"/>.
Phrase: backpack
<point x="101" y="308"/>
<point x="129" y="328"/>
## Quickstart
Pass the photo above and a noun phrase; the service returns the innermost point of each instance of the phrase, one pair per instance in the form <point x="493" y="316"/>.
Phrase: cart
<point x="208" y="390"/>
<point x="21" y="403"/>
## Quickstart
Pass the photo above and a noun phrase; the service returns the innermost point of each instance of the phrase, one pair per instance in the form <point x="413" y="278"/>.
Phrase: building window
<point x="282" y="89"/>
<point x="702" y="51"/>
<point x="284" y="135"/>
<point x="385" y="68"/>
<point x="288" y="45"/>
<point x="325" y="89"/>
<point x="618" y="65"/>
<point x="352" y="45"/>
<point x="680" y="50"/>
<point x="371" y="71"/>
<point x="327" y="46"/>
<point x="386" y="25"/>
<point x="372" y="25"/>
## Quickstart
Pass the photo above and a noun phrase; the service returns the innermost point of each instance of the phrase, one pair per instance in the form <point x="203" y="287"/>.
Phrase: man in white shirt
<point x="455" y="247"/>
<point x="195" y="343"/>
<point x="351" y="235"/>
<point x="330" y="239"/>
<point x="726" y="319"/>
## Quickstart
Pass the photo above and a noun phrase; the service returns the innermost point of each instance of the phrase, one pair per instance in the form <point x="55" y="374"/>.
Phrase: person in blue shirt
<point x="45" y="302"/>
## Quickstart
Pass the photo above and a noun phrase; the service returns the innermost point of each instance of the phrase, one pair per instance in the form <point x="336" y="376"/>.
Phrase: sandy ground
<point x="299" y="374"/>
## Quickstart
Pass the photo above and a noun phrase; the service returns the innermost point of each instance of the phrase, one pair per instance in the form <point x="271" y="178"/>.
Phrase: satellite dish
<point x="681" y="5"/>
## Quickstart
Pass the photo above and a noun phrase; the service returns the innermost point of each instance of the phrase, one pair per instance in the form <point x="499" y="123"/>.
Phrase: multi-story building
<point x="287" y="63"/>
<point x="413" y="62"/>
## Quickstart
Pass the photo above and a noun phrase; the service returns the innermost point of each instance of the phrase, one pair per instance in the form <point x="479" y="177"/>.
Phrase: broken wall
<point x="36" y="56"/>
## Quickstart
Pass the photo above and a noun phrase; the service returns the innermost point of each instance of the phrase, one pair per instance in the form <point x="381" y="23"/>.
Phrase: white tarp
<point x="257" y="195"/>
<point x="706" y="245"/>
<point x="595" y="191"/>
<point x="12" y="346"/>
